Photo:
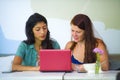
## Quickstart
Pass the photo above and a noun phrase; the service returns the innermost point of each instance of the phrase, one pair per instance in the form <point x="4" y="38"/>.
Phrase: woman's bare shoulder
<point x="101" y="43"/>
<point x="69" y="44"/>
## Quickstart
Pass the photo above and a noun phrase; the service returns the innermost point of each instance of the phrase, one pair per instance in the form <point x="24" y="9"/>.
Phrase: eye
<point x="72" y="30"/>
<point x="78" y="31"/>
<point x="44" y="28"/>
<point x="37" y="29"/>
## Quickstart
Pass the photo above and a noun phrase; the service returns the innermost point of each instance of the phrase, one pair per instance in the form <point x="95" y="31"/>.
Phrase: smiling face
<point x="77" y="33"/>
<point x="40" y="31"/>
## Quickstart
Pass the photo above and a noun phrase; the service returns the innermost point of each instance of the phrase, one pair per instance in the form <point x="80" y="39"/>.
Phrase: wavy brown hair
<point x="84" y="23"/>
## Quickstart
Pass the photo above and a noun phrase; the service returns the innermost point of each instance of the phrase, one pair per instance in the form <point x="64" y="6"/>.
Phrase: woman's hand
<point x="37" y="68"/>
<point x="78" y="68"/>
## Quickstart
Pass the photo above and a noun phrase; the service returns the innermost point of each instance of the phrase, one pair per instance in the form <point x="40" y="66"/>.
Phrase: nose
<point x="74" y="34"/>
<point x="42" y="31"/>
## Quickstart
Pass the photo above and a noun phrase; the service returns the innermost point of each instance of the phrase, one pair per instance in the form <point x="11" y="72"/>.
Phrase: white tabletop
<point x="36" y="75"/>
<point x="32" y="75"/>
<point x="106" y="75"/>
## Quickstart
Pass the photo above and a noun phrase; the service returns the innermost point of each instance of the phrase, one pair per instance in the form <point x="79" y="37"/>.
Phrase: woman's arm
<point x="17" y="65"/>
<point x="104" y="57"/>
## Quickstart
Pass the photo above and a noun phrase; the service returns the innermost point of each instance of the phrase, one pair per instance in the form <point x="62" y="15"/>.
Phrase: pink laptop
<point x="55" y="60"/>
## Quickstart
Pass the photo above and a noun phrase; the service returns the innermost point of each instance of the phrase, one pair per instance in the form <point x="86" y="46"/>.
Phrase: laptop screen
<point x="55" y="60"/>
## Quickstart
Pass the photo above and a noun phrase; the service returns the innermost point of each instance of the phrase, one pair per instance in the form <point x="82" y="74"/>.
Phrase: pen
<point x="10" y="71"/>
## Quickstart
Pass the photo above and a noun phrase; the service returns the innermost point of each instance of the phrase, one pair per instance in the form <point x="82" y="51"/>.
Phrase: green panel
<point x="106" y="11"/>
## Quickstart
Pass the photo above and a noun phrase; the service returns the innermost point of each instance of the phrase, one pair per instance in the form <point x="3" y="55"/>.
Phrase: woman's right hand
<point x="37" y="68"/>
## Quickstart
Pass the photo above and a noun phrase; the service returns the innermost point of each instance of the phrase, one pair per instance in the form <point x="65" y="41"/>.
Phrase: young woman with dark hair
<point x="84" y="42"/>
<point x="38" y="37"/>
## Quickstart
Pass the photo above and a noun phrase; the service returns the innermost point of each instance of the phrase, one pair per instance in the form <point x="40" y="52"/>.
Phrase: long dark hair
<point x="84" y="23"/>
<point x="31" y="22"/>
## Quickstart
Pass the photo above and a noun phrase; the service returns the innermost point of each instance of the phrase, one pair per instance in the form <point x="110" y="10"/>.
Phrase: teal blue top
<point x="29" y="54"/>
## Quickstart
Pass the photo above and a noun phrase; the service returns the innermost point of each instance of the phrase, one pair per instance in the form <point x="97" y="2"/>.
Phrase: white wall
<point x="13" y="15"/>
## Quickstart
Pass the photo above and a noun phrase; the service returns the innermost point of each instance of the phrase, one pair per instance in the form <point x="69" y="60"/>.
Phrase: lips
<point x="75" y="38"/>
<point x="42" y="36"/>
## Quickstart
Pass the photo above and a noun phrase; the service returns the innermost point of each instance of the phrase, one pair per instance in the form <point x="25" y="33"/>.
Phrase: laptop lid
<point x="55" y="60"/>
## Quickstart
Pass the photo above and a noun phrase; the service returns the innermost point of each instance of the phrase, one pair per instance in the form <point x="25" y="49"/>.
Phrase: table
<point x="105" y="75"/>
<point x="32" y="75"/>
<point x="36" y="75"/>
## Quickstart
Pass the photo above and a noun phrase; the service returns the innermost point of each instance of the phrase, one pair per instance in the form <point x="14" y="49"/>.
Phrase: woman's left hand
<point x="78" y="68"/>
